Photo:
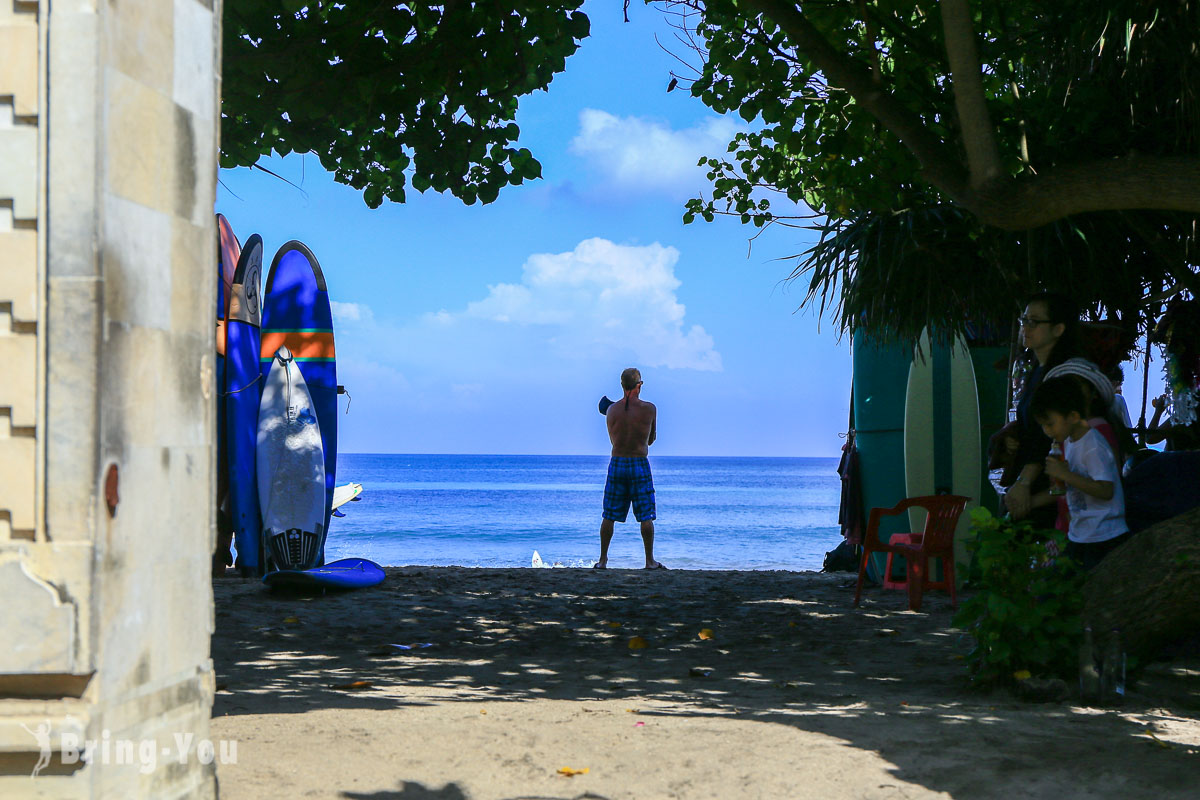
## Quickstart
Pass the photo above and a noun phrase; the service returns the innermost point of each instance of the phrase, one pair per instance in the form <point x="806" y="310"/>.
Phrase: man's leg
<point x="648" y="543"/>
<point x="606" y="534"/>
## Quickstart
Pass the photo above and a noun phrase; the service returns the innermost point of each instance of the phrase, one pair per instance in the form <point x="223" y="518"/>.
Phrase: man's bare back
<point x="631" y="425"/>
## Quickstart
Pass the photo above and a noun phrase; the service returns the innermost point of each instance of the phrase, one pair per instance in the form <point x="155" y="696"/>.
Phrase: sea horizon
<point x="567" y="455"/>
<point x="496" y="510"/>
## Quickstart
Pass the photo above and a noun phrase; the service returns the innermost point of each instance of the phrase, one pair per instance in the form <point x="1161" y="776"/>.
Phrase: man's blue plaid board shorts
<point x="629" y="481"/>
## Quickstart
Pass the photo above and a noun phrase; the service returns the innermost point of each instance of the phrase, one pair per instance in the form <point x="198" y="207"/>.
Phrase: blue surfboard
<point x="349" y="573"/>
<point x="228" y="252"/>
<point x="296" y="315"/>
<point x="243" y="393"/>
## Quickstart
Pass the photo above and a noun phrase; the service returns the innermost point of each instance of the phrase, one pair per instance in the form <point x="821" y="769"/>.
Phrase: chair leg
<point x="862" y="570"/>
<point x="918" y="567"/>
<point x="948" y="571"/>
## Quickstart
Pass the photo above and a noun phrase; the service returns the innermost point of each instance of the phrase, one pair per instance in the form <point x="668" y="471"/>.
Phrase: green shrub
<point x="1025" y="616"/>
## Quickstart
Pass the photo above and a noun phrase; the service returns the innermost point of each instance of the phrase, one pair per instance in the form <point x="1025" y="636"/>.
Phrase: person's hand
<point x="1016" y="499"/>
<point x="1057" y="469"/>
<point x="1159" y="402"/>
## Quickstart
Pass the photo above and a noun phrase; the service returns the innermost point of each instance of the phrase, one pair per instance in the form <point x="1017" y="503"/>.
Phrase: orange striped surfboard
<point x="306" y="344"/>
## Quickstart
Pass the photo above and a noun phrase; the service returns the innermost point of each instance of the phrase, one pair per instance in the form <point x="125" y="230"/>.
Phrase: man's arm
<point x="653" y="426"/>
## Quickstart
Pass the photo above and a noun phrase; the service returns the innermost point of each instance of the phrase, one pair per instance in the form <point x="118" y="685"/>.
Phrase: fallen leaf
<point x="1158" y="741"/>
<point x="354" y="685"/>
<point x="1022" y="675"/>
<point x="613" y="624"/>
<point x="631" y="711"/>
<point x="571" y="772"/>
<point x="637" y="643"/>
<point x="792" y="624"/>
<point x="291" y="620"/>
<point x="483" y="711"/>
<point x="706" y="633"/>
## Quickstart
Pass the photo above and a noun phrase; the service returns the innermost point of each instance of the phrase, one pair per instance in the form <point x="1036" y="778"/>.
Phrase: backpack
<point x="843" y="558"/>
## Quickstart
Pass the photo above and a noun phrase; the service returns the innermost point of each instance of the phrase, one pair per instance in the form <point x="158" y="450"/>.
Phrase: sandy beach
<point x="749" y="685"/>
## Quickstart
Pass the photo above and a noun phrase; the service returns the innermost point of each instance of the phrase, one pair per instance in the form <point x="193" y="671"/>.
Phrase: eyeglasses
<point x="1030" y="322"/>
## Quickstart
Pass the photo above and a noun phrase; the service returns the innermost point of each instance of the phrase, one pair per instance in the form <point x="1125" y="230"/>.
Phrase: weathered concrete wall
<point x="108" y="125"/>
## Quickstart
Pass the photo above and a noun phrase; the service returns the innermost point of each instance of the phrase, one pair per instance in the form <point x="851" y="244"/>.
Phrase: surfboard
<point x="991" y="381"/>
<point x="228" y="252"/>
<point x="941" y="431"/>
<point x="880" y="371"/>
<point x="296" y="315"/>
<point x="348" y="573"/>
<point x="345" y="493"/>
<point x="291" y="468"/>
<point x="243" y="396"/>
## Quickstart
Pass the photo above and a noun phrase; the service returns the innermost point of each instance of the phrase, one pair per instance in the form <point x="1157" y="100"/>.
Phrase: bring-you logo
<point x="145" y="755"/>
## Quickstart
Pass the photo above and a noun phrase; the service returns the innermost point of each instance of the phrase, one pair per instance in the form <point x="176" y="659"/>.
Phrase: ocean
<point x="495" y="511"/>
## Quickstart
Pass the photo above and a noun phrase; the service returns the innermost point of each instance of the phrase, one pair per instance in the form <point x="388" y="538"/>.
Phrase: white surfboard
<point x="291" y="468"/>
<point x="941" y="433"/>
<point x="345" y="493"/>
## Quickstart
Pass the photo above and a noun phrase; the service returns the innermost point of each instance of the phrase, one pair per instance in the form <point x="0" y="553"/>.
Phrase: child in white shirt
<point x="1091" y="473"/>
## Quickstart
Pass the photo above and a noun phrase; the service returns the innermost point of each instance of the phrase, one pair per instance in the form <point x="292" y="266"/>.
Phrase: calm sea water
<point x="494" y="511"/>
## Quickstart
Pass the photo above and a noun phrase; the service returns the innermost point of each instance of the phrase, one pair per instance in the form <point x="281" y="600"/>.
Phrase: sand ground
<point x="796" y="694"/>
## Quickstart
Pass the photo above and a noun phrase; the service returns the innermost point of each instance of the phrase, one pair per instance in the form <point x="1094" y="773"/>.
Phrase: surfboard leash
<point x="244" y="388"/>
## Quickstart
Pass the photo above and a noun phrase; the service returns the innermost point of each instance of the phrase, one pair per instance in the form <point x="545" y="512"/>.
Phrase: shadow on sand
<point x="786" y="648"/>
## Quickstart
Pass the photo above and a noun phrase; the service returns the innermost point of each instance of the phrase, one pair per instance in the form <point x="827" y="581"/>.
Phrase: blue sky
<point x="495" y="329"/>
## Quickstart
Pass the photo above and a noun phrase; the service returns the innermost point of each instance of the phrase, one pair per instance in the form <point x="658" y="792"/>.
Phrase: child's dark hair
<point x="1061" y="395"/>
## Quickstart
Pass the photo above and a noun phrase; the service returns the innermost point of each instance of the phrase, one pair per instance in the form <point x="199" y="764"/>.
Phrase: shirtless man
<point x="631" y="429"/>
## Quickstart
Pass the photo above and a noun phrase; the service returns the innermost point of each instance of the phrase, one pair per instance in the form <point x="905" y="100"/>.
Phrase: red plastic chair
<point x="936" y="541"/>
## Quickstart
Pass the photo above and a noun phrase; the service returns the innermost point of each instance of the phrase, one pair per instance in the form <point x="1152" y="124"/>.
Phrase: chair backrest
<point x="944" y="511"/>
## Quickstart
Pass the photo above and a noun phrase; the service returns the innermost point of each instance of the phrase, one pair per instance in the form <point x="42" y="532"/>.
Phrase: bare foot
<point x="656" y="565"/>
<point x="600" y="565"/>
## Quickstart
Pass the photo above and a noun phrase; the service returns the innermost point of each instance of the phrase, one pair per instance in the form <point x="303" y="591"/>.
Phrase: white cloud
<point x="636" y="152"/>
<point x="350" y="312"/>
<point x="603" y="299"/>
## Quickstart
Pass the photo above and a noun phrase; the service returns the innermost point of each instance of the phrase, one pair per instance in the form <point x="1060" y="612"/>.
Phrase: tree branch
<point x="979" y="138"/>
<point x="939" y="166"/>
<point x="1165" y="183"/>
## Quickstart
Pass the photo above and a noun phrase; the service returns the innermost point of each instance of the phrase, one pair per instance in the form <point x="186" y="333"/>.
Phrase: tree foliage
<point x="389" y="94"/>
<point x="1007" y="111"/>
<point x="953" y="148"/>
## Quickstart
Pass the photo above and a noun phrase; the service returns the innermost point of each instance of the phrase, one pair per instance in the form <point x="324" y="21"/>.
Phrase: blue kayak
<point x="349" y="573"/>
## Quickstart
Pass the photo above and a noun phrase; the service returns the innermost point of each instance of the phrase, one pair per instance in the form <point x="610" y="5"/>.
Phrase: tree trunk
<point x="1149" y="588"/>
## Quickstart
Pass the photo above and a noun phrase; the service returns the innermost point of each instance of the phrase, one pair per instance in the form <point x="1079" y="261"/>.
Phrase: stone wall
<point x="108" y="125"/>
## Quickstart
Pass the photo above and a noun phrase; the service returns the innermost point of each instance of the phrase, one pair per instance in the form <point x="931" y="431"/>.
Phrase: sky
<point x="496" y="329"/>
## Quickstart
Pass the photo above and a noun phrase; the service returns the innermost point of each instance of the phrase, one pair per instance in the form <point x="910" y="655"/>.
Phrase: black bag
<point x="843" y="558"/>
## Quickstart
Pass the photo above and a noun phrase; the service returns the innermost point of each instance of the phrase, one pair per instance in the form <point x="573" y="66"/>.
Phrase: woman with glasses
<point x="1050" y="332"/>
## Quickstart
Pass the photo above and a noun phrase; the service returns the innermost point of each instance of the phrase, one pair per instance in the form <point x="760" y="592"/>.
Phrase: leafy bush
<point x="1025" y="616"/>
